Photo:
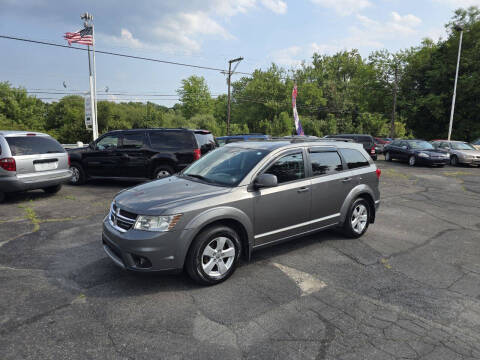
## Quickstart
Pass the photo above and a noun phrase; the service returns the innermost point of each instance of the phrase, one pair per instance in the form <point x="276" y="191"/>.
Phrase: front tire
<point x="213" y="255"/>
<point x="358" y="218"/>
<point x="78" y="174"/>
<point x="412" y="161"/>
<point x="454" y="160"/>
<point x="388" y="157"/>
<point x="53" y="189"/>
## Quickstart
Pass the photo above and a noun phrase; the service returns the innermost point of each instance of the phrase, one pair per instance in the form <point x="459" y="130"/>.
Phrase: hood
<point x="154" y="197"/>
<point x="468" y="152"/>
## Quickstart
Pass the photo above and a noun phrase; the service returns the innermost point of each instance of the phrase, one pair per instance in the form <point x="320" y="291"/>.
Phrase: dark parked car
<point x="139" y="154"/>
<point x="240" y="198"/>
<point x="366" y="140"/>
<point x="415" y="152"/>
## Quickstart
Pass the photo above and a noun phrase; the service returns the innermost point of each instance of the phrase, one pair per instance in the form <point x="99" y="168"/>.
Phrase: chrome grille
<point x="121" y="220"/>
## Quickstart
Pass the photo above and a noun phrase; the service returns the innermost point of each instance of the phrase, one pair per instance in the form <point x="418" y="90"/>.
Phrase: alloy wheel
<point x="218" y="256"/>
<point x="163" y="173"/>
<point x="75" y="174"/>
<point x="411" y="160"/>
<point x="359" y="218"/>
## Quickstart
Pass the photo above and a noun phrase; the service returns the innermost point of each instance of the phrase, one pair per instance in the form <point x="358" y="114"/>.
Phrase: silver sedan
<point x="460" y="152"/>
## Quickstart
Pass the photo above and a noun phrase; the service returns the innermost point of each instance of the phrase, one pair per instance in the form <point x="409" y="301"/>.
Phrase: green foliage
<point x="195" y="96"/>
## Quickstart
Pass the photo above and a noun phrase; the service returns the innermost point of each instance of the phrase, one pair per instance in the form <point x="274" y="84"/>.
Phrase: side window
<point x="354" y="158"/>
<point x="325" y="162"/>
<point x="172" y="140"/>
<point x="404" y="143"/>
<point x="288" y="168"/>
<point x="444" y="145"/>
<point x="133" y="140"/>
<point x="109" y="142"/>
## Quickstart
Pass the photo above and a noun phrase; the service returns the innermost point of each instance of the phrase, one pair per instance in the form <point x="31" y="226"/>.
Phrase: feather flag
<point x="298" y="124"/>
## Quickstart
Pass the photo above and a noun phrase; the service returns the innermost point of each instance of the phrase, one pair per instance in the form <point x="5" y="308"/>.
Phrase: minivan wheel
<point x="52" y="189"/>
<point x="213" y="255"/>
<point x="388" y="157"/>
<point x="78" y="174"/>
<point x="411" y="160"/>
<point x="163" y="171"/>
<point x="358" y="218"/>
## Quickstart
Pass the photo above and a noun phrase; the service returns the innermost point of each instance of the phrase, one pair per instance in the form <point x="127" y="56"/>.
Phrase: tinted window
<point x="31" y="145"/>
<point x="420" y="145"/>
<point x="365" y="140"/>
<point x="396" y="143"/>
<point x="133" y="140"/>
<point x="462" y="146"/>
<point x="171" y="139"/>
<point x="354" y="158"/>
<point x="108" y="142"/>
<point x="288" y="168"/>
<point x="226" y="165"/>
<point x="325" y="162"/>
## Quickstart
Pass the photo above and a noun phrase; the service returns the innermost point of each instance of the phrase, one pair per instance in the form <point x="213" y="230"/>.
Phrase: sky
<point x="200" y="32"/>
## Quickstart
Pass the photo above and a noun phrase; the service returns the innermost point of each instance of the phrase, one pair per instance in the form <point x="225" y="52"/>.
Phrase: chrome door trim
<point x="296" y="226"/>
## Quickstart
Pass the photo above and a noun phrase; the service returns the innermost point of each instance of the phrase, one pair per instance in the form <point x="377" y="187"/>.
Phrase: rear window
<point x="133" y="140"/>
<point x="205" y="141"/>
<point x="354" y="158"/>
<point x="171" y="140"/>
<point x="365" y="140"/>
<point x="33" y="145"/>
<point x="325" y="162"/>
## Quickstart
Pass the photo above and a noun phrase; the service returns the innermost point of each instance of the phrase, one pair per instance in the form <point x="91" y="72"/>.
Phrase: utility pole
<point x="458" y="28"/>
<point x="394" y="111"/>
<point x="230" y="72"/>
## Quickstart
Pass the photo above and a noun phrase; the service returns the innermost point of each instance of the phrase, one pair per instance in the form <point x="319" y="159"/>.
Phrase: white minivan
<point x="31" y="160"/>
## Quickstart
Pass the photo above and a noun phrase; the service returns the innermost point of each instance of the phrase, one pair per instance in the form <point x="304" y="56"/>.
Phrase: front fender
<point x="195" y="225"/>
<point x="352" y="195"/>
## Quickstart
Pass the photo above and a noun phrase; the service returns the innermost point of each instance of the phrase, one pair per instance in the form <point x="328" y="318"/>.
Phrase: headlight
<point x="447" y="155"/>
<point x="157" y="223"/>
<point x="424" y="155"/>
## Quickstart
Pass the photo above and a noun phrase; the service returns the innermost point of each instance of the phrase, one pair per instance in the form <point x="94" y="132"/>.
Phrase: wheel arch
<point x="360" y="191"/>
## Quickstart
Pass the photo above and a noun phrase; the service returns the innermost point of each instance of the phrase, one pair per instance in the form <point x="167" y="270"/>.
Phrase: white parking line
<point x="307" y="283"/>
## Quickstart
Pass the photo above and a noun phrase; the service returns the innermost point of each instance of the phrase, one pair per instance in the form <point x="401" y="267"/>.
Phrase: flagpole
<point x="94" y="115"/>
<point x="95" y="122"/>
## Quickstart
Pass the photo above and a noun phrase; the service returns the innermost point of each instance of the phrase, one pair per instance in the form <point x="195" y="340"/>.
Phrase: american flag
<point x="84" y="36"/>
<point x="298" y="124"/>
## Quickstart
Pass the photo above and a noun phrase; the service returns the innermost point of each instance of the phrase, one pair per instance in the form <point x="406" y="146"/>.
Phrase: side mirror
<point x="265" y="180"/>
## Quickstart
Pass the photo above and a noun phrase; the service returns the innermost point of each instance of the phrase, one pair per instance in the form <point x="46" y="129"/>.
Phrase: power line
<point x="116" y="54"/>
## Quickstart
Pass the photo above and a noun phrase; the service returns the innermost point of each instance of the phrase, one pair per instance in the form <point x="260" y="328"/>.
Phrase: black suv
<point x="366" y="140"/>
<point x="139" y="154"/>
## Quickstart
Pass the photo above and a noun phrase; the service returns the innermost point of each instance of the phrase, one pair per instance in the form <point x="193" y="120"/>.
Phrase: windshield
<point x="421" y="145"/>
<point x="225" y="166"/>
<point x="462" y="146"/>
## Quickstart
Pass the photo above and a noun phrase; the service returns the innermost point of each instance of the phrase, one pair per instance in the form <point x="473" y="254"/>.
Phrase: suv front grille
<point x="121" y="220"/>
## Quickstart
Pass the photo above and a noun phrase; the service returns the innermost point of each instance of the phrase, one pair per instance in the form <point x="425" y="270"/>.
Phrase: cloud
<point x="277" y="6"/>
<point x="459" y="3"/>
<point x="344" y="7"/>
<point x="291" y="56"/>
<point x="125" y="39"/>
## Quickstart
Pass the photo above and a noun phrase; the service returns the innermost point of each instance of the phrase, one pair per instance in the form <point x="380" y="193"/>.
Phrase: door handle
<point x="303" y="189"/>
<point x="347" y="180"/>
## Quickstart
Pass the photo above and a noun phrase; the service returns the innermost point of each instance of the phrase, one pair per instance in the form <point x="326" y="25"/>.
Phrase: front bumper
<point x="34" y="181"/>
<point x="144" y="251"/>
<point x="474" y="161"/>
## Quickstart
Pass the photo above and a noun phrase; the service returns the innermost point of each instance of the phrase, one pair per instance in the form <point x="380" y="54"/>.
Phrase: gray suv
<point x="31" y="160"/>
<point x="240" y="198"/>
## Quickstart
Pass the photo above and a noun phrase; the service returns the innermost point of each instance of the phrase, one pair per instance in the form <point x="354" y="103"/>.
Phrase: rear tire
<point x="358" y="218"/>
<point x="388" y="157"/>
<point x="78" y="174"/>
<point x="53" y="189"/>
<point x="213" y="255"/>
<point x="162" y="171"/>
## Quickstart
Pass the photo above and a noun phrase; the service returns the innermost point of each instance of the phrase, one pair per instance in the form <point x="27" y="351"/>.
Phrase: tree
<point x="195" y="97"/>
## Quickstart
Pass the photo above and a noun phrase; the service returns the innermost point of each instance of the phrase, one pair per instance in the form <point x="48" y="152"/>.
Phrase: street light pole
<point x="458" y="28"/>
<point x="228" y="81"/>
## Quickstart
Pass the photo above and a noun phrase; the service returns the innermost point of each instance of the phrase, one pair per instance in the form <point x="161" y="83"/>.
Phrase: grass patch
<point x="457" y="173"/>
<point x="70" y="197"/>
<point x="395" y="173"/>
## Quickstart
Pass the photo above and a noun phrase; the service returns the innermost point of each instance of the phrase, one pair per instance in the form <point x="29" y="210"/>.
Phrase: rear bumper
<point x="34" y="181"/>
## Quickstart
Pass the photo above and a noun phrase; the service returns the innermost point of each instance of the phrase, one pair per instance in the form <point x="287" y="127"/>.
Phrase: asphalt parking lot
<point x="409" y="289"/>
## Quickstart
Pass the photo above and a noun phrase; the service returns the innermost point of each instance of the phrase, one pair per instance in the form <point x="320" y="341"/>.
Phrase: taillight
<point x="373" y="150"/>
<point x="68" y="156"/>
<point x="379" y="172"/>
<point x="8" y="164"/>
<point x="196" y="154"/>
<point x="30" y="134"/>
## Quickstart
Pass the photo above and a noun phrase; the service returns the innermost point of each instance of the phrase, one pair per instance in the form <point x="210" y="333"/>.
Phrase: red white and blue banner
<point x="298" y="124"/>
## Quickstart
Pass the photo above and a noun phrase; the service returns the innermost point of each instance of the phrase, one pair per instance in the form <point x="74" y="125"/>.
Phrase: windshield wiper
<point x="198" y="177"/>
